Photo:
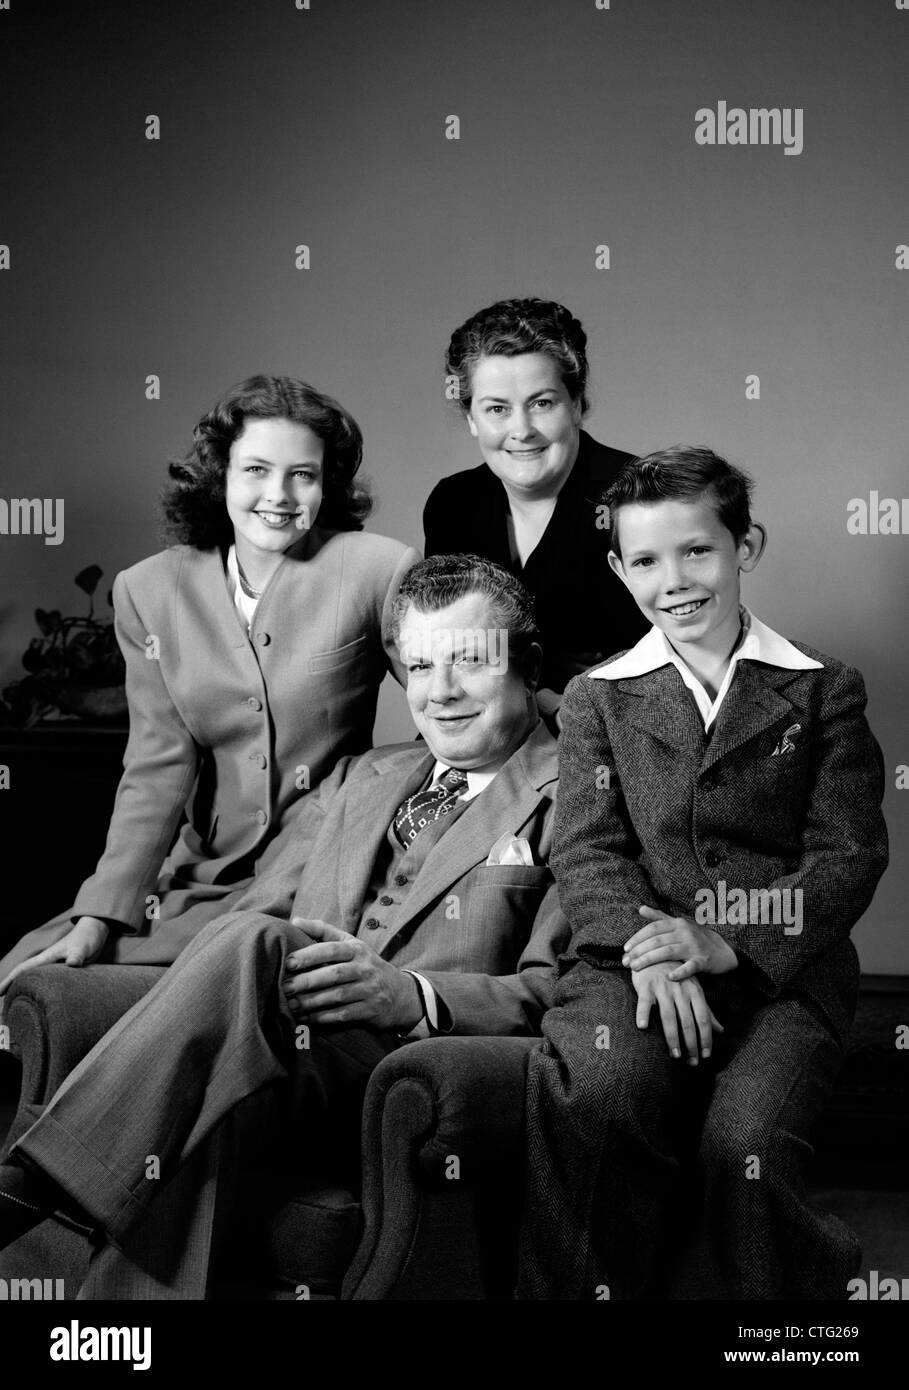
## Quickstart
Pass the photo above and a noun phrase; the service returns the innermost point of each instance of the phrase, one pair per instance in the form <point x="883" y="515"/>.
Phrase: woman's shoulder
<point x="600" y="462"/>
<point x="165" y="567"/>
<point x="364" y="555"/>
<point x="465" y="484"/>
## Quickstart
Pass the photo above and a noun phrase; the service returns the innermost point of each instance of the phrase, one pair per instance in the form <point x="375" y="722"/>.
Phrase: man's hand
<point x="696" y="950"/>
<point x="81" y="945"/>
<point x="683" y="1009"/>
<point x="342" y="980"/>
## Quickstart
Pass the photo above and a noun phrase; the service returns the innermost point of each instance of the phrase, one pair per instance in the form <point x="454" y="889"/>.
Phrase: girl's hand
<point x="82" y="944"/>
<point x="696" y="950"/>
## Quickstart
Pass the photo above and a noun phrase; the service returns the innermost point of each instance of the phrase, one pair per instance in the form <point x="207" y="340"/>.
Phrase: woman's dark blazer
<point x="584" y="612"/>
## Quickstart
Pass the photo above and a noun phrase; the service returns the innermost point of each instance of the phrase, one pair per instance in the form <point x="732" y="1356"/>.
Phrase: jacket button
<point x="261" y="817"/>
<point x="372" y="922"/>
<point x="259" y="759"/>
<point x="386" y="901"/>
<point x="708" y="784"/>
<point x="711" y="859"/>
<point x="400" y="880"/>
<point x="263" y="639"/>
<point x="254" y="703"/>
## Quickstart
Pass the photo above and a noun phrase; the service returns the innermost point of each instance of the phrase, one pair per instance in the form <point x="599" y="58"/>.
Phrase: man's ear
<point x="752" y="547"/>
<point x="615" y="564"/>
<point x="533" y="665"/>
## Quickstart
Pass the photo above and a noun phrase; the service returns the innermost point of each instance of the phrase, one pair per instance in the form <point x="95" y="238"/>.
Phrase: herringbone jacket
<point x="652" y="809"/>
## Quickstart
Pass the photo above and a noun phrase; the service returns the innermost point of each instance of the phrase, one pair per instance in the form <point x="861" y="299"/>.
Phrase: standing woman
<point x="255" y="647"/>
<point x="532" y="505"/>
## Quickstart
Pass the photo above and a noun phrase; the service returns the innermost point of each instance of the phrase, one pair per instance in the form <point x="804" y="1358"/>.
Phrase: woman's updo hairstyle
<point x="514" y="326"/>
<point x="193" y="506"/>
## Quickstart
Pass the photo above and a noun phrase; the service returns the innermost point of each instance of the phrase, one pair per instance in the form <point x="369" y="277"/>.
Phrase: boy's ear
<point x="615" y="564"/>
<point x="753" y="546"/>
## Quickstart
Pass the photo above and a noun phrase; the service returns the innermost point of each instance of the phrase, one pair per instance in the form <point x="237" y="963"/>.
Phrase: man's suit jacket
<point x="652" y="810"/>
<point x="485" y="936"/>
<point x="229" y="726"/>
<point x="584" y="611"/>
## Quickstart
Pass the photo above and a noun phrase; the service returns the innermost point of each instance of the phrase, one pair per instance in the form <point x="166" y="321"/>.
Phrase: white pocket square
<point x="510" y="849"/>
<point x="786" y="744"/>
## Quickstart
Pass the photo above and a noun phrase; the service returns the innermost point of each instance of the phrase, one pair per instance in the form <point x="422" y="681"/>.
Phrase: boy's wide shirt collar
<point x="758" y="642"/>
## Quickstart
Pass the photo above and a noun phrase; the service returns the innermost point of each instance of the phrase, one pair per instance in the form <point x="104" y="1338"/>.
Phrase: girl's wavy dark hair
<point x="193" y="506"/>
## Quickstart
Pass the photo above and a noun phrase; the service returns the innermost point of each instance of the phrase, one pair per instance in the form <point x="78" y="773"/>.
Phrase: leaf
<point x="87" y="579"/>
<point x="44" y="622"/>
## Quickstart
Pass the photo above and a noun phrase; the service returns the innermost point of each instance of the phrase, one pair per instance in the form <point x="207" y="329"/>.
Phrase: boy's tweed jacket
<point x="684" y="809"/>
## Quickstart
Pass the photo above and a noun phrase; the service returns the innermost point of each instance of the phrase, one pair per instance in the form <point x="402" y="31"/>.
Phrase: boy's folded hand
<point x="687" y="1018"/>
<point x="693" y="949"/>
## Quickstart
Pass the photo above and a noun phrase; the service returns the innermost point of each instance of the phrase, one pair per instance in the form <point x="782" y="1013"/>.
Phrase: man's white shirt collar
<point x="476" y="781"/>
<point x="758" y="643"/>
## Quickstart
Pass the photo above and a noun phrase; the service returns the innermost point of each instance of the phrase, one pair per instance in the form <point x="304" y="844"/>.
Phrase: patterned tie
<point x="423" y="808"/>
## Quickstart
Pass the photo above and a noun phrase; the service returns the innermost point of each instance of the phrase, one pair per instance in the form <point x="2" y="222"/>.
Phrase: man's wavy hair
<point x="193" y="506"/>
<point x="440" y="580"/>
<point x="684" y="471"/>
<point x="515" y="326"/>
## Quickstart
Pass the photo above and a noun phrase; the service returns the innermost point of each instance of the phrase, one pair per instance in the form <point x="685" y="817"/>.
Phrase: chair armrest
<point x="427" y="1104"/>
<point x="56" y="1014"/>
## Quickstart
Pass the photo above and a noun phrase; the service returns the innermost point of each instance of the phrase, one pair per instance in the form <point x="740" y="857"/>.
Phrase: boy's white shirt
<point x="758" y="642"/>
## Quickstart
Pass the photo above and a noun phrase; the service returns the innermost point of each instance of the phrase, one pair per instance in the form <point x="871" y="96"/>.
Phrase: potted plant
<point x="75" y="667"/>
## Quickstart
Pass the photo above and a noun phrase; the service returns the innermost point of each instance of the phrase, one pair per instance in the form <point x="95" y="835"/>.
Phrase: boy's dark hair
<point x="683" y="471"/>
<point x="193" y="505"/>
<point x="512" y="327"/>
<point x="434" y="583"/>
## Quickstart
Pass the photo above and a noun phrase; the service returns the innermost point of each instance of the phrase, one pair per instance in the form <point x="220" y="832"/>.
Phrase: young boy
<point x="718" y="834"/>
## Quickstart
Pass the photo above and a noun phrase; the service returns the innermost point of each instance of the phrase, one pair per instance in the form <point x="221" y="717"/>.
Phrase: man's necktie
<point x="423" y="808"/>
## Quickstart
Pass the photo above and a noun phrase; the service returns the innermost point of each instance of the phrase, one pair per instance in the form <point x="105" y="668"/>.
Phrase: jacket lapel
<point x="664" y="708"/>
<point x="753" y="703"/>
<point x="505" y="805"/>
<point x="369" y="810"/>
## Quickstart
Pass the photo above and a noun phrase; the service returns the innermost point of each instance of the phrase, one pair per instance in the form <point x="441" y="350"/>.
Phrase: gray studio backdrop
<point x="328" y="127"/>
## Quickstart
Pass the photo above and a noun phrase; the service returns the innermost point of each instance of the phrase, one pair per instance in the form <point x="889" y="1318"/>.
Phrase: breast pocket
<point x="340" y="656"/>
<point x="499" y="912"/>
<point x="512" y="876"/>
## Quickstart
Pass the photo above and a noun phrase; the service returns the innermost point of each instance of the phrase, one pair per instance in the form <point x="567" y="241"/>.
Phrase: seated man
<point x="411" y="896"/>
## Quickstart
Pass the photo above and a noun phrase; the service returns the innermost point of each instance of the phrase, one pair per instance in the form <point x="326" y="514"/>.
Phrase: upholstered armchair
<point x="438" y="1213"/>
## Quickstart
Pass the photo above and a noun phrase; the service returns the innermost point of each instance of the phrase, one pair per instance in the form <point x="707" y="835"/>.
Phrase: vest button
<point x="254" y="703"/>
<point x="711" y="859"/>
<point x="400" y="880"/>
<point x="372" y="922"/>
<point x="386" y="901"/>
<point x="259" y="759"/>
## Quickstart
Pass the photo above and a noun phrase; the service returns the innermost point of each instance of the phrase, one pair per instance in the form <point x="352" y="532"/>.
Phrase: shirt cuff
<point x="429" y="1023"/>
